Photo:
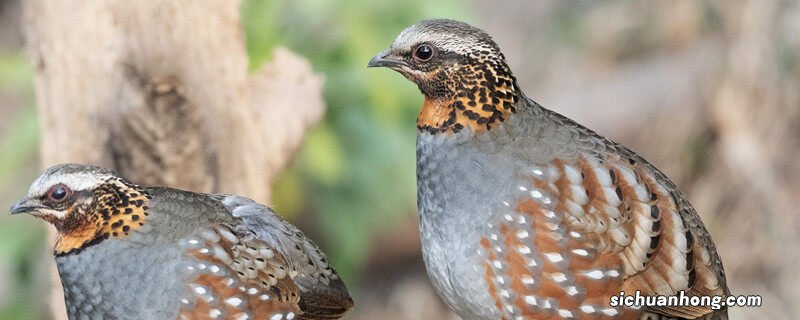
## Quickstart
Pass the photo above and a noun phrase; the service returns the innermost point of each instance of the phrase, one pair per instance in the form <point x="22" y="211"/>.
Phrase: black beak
<point x="384" y="59"/>
<point x="25" y="205"/>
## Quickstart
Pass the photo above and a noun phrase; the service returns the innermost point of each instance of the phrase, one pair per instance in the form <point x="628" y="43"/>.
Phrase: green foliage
<point x="356" y="172"/>
<point x="19" y="144"/>
<point x="14" y="71"/>
<point x="19" y="141"/>
<point x="20" y="238"/>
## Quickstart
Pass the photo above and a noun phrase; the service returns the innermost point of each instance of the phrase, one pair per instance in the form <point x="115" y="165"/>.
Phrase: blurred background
<point x="708" y="90"/>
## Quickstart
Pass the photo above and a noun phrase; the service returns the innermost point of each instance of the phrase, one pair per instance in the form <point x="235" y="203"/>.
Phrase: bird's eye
<point x="58" y="193"/>
<point x="423" y="52"/>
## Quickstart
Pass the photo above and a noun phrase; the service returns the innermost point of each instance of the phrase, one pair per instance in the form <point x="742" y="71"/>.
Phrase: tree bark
<point x="159" y="91"/>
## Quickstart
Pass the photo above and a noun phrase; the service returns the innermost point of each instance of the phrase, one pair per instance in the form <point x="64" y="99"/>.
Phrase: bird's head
<point x="460" y="71"/>
<point x="86" y="204"/>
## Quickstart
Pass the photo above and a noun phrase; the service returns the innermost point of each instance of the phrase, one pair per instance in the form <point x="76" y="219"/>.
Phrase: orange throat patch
<point x="434" y="113"/>
<point x="441" y="115"/>
<point x="119" y="209"/>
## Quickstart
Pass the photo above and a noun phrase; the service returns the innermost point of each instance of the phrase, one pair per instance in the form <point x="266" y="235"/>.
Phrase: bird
<point x="125" y="251"/>
<point x="526" y="214"/>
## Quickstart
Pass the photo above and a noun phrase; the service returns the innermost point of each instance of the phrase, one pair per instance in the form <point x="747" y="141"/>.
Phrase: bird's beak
<point x="385" y="59"/>
<point x="25" y="205"/>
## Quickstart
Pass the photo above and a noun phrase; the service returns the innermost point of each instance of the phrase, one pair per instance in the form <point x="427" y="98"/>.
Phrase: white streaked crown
<point x="77" y="177"/>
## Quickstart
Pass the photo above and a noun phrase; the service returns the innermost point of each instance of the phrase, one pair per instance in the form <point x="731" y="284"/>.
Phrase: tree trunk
<point x="159" y="91"/>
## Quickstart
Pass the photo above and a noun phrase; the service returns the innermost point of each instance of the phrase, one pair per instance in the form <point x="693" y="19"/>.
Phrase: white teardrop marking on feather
<point x="214" y="313"/>
<point x="579" y="195"/>
<point x="554" y="257"/>
<point x="610" y="311"/>
<point x="226" y="234"/>
<point x="209" y="235"/>
<point x="611" y="197"/>
<point x="527" y="280"/>
<point x="573" y="175"/>
<point x="594" y="274"/>
<point x="221" y="255"/>
<point x="200" y="290"/>
<point x="580" y="252"/>
<point x="241" y="316"/>
<point x="234" y="301"/>
<point x="266" y="253"/>
<point x="602" y="175"/>
<point x="571" y="290"/>
<point x="587" y="309"/>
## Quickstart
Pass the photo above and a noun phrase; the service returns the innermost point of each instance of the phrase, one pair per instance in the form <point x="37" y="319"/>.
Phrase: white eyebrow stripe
<point x="76" y="181"/>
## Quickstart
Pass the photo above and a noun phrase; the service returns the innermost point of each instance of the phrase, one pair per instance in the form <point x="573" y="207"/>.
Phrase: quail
<point x="525" y="214"/>
<point x="125" y="251"/>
